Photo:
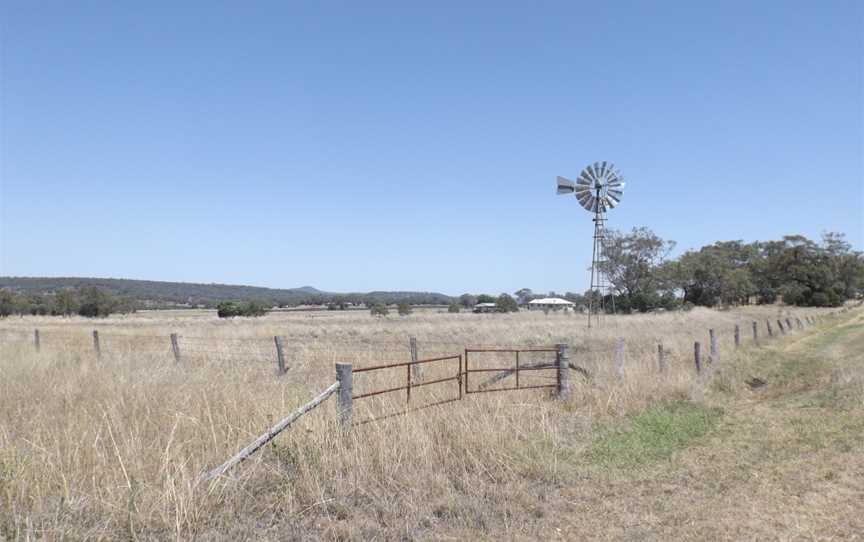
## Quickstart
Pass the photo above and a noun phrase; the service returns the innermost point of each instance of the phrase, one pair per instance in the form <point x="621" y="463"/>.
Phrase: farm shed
<point x="485" y="307"/>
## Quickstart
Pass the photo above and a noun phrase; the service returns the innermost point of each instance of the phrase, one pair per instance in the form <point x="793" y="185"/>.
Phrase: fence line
<point x="182" y="346"/>
<point x="344" y="383"/>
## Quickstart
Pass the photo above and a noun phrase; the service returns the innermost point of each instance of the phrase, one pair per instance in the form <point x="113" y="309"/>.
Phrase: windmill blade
<point x="584" y="198"/>
<point x="583" y="180"/>
<point x="610" y="201"/>
<point x="565" y="186"/>
<point x="616" y="193"/>
<point x="603" y="170"/>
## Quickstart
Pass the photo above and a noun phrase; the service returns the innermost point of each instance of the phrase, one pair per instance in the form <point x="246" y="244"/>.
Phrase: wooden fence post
<point x="755" y="332"/>
<point x="712" y="352"/>
<point x="96" y="347"/>
<point x="344" y="401"/>
<point x="415" y="369"/>
<point x="36" y="343"/>
<point x="770" y="331"/>
<point x="780" y="325"/>
<point x="737" y="336"/>
<point x="661" y="358"/>
<point x="789" y="324"/>
<point x="175" y="347"/>
<point x="562" y="361"/>
<point x="619" y="356"/>
<point x="280" y="354"/>
<point x="798" y="321"/>
<point x="697" y="356"/>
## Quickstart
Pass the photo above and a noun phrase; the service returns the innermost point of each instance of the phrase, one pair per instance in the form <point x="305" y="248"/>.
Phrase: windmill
<point x="598" y="188"/>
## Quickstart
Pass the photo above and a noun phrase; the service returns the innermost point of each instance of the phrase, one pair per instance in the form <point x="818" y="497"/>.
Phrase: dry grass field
<point x="113" y="447"/>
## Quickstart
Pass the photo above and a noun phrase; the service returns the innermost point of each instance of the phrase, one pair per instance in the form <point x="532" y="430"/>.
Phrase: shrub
<point x="230" y="309"/>
<point x="379" y="309"/>
<point x="404" y="309"/>
<point x="454" y="308"/>
<point x="95" y="303"/>
<point x="505" y="303"/>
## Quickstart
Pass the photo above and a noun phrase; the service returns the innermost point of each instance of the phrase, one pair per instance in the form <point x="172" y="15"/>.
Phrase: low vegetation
<point x="231" y="309"/>
<point x="113" y="447"/>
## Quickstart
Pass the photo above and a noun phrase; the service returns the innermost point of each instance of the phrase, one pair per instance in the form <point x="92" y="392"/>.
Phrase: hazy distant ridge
<point x="209" y="294"/>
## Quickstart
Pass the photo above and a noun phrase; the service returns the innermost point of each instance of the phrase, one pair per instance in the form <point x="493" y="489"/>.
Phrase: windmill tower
<point x="598" y="188"/>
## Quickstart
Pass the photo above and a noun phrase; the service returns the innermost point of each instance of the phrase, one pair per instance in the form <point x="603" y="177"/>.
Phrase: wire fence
<point x="283" y="353"/>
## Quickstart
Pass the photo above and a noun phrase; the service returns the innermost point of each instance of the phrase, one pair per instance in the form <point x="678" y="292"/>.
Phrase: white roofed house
<point x="551" y="304"/>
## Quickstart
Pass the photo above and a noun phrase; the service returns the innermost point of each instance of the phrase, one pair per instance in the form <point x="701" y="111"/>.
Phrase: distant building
<point x="551" y="304"/>
<point x="485" y="307"/>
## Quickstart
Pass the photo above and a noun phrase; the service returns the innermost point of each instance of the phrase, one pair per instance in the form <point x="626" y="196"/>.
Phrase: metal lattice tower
<point x="598" y="188"/>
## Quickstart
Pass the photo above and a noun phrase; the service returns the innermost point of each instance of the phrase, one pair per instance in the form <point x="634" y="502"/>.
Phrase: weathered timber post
<point x="712" y="352"/>
<point x="789" y="324"/>
<point x="697" y="356"/>
<point x="798" y="321"/>
<point x="175" y="347"/>
<point x="36" y="344"/>
<point x="661" y="358"/>
<point x="344" y="401"/>
<point x="770" y="331"/>
<point x="96" y="347"/>
<point x="415" y="368"/>
<point x="280" y="354"/>
<point x="755" y="332"/>
<point x="780" y="325"/>
<point x="562" y="362"/>
<point x="619" y="356"/>
<point x="737" y="336"/>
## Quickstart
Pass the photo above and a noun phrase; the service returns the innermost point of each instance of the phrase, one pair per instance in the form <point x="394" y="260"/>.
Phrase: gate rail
<point x="410" y="384"/>
<point x="507" y="371"/>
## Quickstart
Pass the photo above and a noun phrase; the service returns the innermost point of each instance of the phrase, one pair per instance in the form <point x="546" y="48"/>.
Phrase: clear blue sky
<point x="404" y="145"/>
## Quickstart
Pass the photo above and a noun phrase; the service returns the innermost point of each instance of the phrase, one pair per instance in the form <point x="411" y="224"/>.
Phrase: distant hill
<point x="157" y="293"/>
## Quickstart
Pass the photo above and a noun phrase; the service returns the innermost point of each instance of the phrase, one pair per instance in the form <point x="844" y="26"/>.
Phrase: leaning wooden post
<point x="619" y="356"/>
<point x="175" y="347"/>
<point x="780" y="325"/>
<point x="770" y="331"/>
<point x="661" y="358"/>
<point x="96" y="347"/>
<point x="798" y="321"/>
<point x="280" y="354"/>
<point x="789" y="324"/>
<point x="697" y="356"/>
<point x="737" y="336"/>
<point x="562" y="361"/>
<point x="712" y="353"/>
<point x="36" y="344"/>
<point x="345" y="401"/>
<point x="415" y="369"/>
<point x="755" y="332"/>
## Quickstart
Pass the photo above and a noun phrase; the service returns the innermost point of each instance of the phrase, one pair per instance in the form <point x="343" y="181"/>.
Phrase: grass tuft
<point x="652" y="435"/>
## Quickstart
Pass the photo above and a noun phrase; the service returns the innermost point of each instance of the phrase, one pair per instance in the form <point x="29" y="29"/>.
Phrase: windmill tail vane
<point x="598" y="189"/>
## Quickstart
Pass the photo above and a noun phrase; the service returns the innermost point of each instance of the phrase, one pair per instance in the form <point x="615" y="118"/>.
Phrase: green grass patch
<point x="652" y="435"/>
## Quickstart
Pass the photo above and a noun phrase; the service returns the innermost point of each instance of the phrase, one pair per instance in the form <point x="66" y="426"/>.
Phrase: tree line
<point x="86" y="301"/>
<point x="642" y="277"/>
<point x="795" y="270"/>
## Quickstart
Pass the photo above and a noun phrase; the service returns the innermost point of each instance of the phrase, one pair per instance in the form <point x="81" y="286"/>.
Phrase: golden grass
<point x="112" y="448"/>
